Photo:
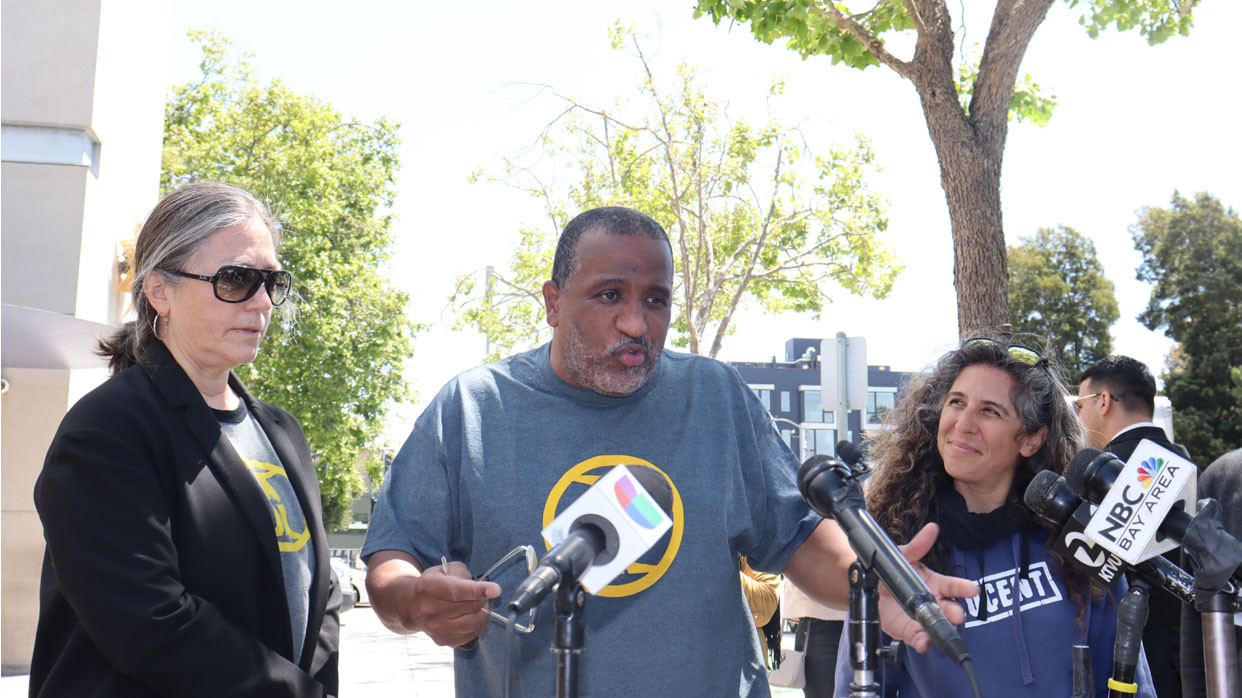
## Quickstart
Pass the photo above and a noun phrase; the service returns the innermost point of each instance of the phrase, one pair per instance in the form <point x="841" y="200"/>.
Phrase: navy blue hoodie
<point x="1021" y="645"/>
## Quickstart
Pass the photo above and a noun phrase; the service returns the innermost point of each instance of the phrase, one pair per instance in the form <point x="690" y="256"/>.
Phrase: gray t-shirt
<point x="504" y="447"/>
<point x="297" y="556"/>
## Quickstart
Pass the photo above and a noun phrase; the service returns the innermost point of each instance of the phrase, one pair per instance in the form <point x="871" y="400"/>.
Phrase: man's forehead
<point x="602" y="254"/>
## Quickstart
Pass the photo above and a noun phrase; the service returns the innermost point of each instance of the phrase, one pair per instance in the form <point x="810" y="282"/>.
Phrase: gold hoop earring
<point x="155" y="327"/>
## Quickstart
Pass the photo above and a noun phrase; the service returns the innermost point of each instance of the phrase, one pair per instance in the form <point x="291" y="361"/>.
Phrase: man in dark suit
<point x="1222" y="481"/>
<point x="1116" y="402"/>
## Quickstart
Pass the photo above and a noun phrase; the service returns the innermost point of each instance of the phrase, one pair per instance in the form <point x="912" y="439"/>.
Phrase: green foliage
<point x="807" y="26"/>
<point x="1057" y="290"/>
<point x="807" y="29"/>
<point x="1027" y="103"/>
<point x="744" y="223"/>
<point x="1156" y="20"/>
<point x="857" y="39"/>
<point x="330" y="181"/>
<point x="1192" y="254"/>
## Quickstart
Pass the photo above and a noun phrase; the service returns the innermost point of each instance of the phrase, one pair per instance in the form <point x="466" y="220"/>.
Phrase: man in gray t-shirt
<point x="506" y="446"/>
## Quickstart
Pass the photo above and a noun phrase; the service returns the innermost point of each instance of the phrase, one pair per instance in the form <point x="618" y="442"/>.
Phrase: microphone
<point x="854" y="456"/>
<point x="829" y="487"/>
<point x="597" y="537"/>
<point x="570" y="559"/>
<point x="1131" y="617"/>
<point x="1091" y="474"/>
<point x="1049" y="498"/>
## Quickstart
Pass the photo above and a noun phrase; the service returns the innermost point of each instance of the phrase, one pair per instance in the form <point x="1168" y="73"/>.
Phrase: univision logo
<point x="1148" y="470"/>
<point x="637" y="506"/>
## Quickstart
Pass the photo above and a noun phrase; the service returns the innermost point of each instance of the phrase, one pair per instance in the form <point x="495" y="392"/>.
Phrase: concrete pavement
<point x="376" y="663"/>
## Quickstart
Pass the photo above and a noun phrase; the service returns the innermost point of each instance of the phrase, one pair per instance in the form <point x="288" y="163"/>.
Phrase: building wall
<point x="81" y="99"/>
<point x="799" y="376"/>
<point x="43" y="209"/>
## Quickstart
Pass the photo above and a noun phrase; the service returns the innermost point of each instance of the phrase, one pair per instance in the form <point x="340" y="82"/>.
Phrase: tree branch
<point x="1013" y="24"/>
<point x="871" y="42"/>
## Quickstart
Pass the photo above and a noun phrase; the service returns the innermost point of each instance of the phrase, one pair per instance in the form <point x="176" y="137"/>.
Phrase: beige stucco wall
<point x="25" y="435"/>
<point x="41" y="230"/>
<point x="49" y="61"/>
<point x="96" y="68"/>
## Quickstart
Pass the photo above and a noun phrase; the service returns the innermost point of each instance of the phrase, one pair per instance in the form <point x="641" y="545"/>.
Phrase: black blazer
<point x="161" y="575"/>
<point x="1123" y="444"/>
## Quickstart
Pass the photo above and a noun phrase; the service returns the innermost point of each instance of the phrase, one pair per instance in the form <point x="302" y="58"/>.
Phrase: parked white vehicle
<point x="344" y="577"/>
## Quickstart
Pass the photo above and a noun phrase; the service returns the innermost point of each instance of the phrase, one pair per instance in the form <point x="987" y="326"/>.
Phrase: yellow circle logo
<point x="582" y="473"/>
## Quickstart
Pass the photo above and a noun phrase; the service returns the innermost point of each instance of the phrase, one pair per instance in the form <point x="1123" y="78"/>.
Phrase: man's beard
<point x="603" y="373"/>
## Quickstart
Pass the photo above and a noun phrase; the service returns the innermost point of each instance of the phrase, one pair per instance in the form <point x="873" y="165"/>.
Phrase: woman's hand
<point x="893" y="618"/>
<point x="820" y="567"/>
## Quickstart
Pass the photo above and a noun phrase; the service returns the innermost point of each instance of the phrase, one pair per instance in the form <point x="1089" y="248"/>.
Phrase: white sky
<point x="1133" y="124"/>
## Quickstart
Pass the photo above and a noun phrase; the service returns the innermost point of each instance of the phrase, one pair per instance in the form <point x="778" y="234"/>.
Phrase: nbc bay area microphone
<point x="596" y="538"/>
<point x="1049" y="497"/>
<point x="1092" y="474"/>
<point x="829" y="487"/>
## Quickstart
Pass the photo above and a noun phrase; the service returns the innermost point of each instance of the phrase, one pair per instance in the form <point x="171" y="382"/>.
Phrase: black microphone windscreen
<point x="656" y="485"/>
<point x="1078" y="467"/>
<point x="1037" y="493"/>
<point x="849" y="452"/>
<point x="814" y="463"/>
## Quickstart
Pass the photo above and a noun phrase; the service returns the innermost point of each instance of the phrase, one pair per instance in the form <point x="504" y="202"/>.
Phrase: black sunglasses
<point x="1017" y="352"/>
<point x="236" y="284"/>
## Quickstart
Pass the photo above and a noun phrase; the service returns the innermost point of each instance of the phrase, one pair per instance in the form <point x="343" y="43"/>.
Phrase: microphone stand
<point x="568" y="636"/>
<point x="1084" y="679"/>
<point x="1131" y="618"/>
<point x="864" y="633"/>
<point x="1220" y="652"/>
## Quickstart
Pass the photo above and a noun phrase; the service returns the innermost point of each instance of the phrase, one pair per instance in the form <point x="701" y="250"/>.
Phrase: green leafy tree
<point x="1192" y="254"/>
<point x="330" y="181"/>
<point x="1057" y="290"/>
<point x="744" y="223"/>
<point x="966" y="102"/>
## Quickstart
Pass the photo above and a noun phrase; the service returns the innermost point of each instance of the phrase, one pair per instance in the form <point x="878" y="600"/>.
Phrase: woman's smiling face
<point x="980" y="436"/>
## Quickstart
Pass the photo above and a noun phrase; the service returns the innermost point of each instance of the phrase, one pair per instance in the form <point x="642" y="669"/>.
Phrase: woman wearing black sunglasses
<point x="959" y="450"/>
<point x="185" y="547"/>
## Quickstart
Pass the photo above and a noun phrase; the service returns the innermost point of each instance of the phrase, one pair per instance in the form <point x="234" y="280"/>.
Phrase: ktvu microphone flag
<point x="1152" y="482"/>
<point x="619" y="497"/>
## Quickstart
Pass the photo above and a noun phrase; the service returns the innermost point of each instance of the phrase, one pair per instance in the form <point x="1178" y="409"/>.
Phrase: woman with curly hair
<point x="964" y="443"/>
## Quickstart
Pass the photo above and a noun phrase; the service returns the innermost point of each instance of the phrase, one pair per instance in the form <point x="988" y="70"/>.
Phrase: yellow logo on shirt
<point x="583" y="474"/>
<point x="288" y="539"/>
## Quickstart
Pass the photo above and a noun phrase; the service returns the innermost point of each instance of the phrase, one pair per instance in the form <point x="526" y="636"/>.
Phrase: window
<point x="879" y="403"/>
<point x="819" y="441"/>
<point x="785" y="401"/>
<point x="787" y="437"/>
<point x="765" y="397"/>
<point x="812" y="411"/>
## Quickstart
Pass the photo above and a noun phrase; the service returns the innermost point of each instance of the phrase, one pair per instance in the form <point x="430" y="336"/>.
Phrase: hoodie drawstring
<point x="1021" y="551"/>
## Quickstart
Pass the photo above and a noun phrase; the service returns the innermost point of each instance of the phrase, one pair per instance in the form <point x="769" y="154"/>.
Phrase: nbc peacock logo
<point x="1148" y="469"/>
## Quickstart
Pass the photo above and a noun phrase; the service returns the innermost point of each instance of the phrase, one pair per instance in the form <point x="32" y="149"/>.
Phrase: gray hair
<point x="172" y="234"/>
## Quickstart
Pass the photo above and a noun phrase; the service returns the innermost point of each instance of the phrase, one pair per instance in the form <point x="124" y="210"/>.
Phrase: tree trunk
<point x="970" y="148"/>
<point x="970" y="177"/>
